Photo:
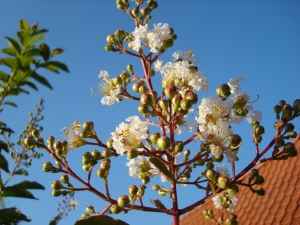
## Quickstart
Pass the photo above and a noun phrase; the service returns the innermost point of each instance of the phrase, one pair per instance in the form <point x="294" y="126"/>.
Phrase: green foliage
<point x="12" y="216"/>
<point x="100" y="220"/>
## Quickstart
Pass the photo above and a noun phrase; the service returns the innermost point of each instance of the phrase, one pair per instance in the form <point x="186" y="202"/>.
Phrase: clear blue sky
<point x="259" y="40"/>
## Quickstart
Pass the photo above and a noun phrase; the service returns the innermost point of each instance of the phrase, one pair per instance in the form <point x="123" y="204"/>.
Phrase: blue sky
<point x="259" y="40"/>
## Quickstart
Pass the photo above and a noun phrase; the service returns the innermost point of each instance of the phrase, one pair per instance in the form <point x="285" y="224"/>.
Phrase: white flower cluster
<point x="152" y="38"/>
<point x="110" y="92"/>
<point x="129" y="136"/>
<point x="218" y="202"/>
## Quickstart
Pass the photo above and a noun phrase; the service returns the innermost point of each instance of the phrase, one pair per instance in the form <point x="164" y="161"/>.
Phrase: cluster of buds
<point x="258" y="132"/>
<point x="90" y="159"/>
<point x="103" y="171"/>
<point x="258" y="179"/>
<point x="123" y="202"/>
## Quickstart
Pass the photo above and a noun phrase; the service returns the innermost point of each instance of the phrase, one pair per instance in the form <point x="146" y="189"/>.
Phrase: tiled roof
<point x="279" y="205"/>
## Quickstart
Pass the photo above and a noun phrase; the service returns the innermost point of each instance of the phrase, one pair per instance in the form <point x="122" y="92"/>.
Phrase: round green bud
<point x="102" y="173"/>
<point x="56" y="185"/>
<point x="109" y="143"/>
<point x="233" y="189"/>
<point x="143" y="90"/>
<point x="111" y="39"/>
<point x="90" y="209"/>
<point x="223" y="182"/>
<point x="212" y="175"/>
<point x="186" y="153"/>
<point x="277" y="109"/>
<point x="146" y="99"/>
<point x="88" y="126"/>
<point x="84" y="216"/>
<point x="29" y="142"/>
<point x="133" y="190"/>
<point x="255" y="125"/>
<point x="47" y="167"/>
<point x="192" y="96"/>
<point x="241" y="112"/>
<point x="170" y="91"/>
<point x="64" y="178"/>
<point x="145" y="11"/>
<point x="153" y="5"/>
<point x="86" y="167"/>
<point x="173" y="37"/>
<point x="209" y="166"/>
<point x="154" y="137"/>
<point x="235" y="141"/>
<point x="135" y="12"/>
<point x="163" y="104"/>
<point x="163" y="142"/>
<point x="240" y="101"/>
<point x="178" y="146"/>
<point x="124" y="75"/>
<point x="223" y="91"/>
<point x="200" y="162"/>
<point x="143" y="109"/>
<point x="58" y="145"/>
<point x="136" y="86"/>
<point x="96" y="154"/>
<point x="115" y="209"/>
<point x="50" y="140"/>
<point x="176" y="101"/>
<point x="282" y="103"/>
<point x="106" y="153"/>
<point x="109" y="47"/>
<point x="168" y="43"/>
<point x="129" y="68"/>
<point x="218" y="158"/>
<point x="288" y="147"/>
<point x="260" y="130"/>
<point x="289" y="127"/>
<point x="35" y="133"/>
<point x="162" y="192"/>
<point x="120" y="34"/>
<point x="293" y="134"/>
<point x="152" y="73"/>
<point x="296" y="105"/>
<point x="254" y="172"/>
<point x="56" y="193"/>
<point x="105" y="164"/>
<point x="117" y="81"/>
<point x="155" y="187"/>
<point x="145" y="179"/>
<point x="132" y="153"/>
<point x="261" y="192"/>
<point x="279" y="142"/>
<point x="123" y="201"/>
<point x="259" y="180"/>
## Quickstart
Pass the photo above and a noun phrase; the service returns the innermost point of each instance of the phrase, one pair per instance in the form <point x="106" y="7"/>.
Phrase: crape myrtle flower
<point x="225" y="202"/>
<point x="72" y="136"/>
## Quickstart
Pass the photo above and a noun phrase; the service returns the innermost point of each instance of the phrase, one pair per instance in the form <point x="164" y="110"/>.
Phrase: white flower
<point x="222" y="170"/>
<point x="256" y="116"/>
<point x="133" y="165"/>
<point x="74" y="204"/>
<point x="220" y="202"/>
<point x="71" y="135"/>
<point x="188" y="55"/>
<point x="234" y="84"/>
<point x="130" y="135"/>
<point x="158" y="65"/>
<point x="231" y="155"/>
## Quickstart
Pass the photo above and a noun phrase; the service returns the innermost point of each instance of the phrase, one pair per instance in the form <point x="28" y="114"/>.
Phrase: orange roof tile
<point x="280" y="205"/>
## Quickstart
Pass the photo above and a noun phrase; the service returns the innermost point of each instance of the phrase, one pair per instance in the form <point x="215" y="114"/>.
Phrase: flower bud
<point x="173" y="37"/>
<point x="143" y="109"/>
<point x="102" y="173"/>
<point x="123" y="201"/>
<point x="64" y="178"/>
<point x="47" y="167"/>
<point x="254" y="173"/>
<point x="129" y="68"/>
<point x="162" y="192"/>
<point x="35" y="133"/>
<point x="132" y="153"/>
<point x="152" y="73"/>
<point x="143" y="90"/>
<point x="153" y="5"/>
<point x="241" y="101"/>
<point x="136" y="86"/>
<point x="233" y="189"/>
<point x="84" y="216"/>
<point x="145" y="11"/>
<point x="88" y="126"/>
<point x="56" y="185"/>
<point x="223" y="182"/>
<point x="117" y="81"/>
<point x="135" y="12"/>
<point x="192" y="96"/>
<point x="154" y="137"/>
<point x="111" y="39"/>
<point x="133" y="190"/>
<point x="106" y="153"/>
<point x="105" y="164"/>
<point x="220" y="220"/>
<point x="296" y="105"/>
<point x="109" y="143"/>
<point x="145" y="179"/>
<point x="124" y="76"/>
<point x="209" y="166"/>
<point x="293" y="134"/>
<point x="261" y="192"/>
<point x="255" y="125"/>
<point x="29" y="142"/>
<point x="153" y="95"/>
<point x="115" y="209"/>
<point x="96" y="154"/>
<point x="163" y="142"/>
<point x="289" y="147"/>
<point x="235" y="141"/>
<point x="241" y="112"/>
<point x="50" y="140"/>
<point x="176" y="101"/>
<point x="163" y="104"/>
<point x="56" y="193"/>
<point x="86" y="158"/>
<point x="178" y="146"/>
<point x="277" y="109"/>
<point x="86" y="167"/>
<point x="170" y="91"/>
<point x="218" y="158"/>
<point x="260" y="130"/>
<point x="282" y="103"/>
<point x="168" y="43"/>
<point x="259" y="180"/>
<point x="109" y="47"/>
<point x="155" y="187"/>
<point x="185" y="104"/>
<point x="120" y="34"/>
<point x="212" y="175"/>
<point x="90" y="209"/>
<point x="146" y="99"/>
<point x="289" y="127"/>
<point x="186" y="153"/>
<point x="223" y="91"/>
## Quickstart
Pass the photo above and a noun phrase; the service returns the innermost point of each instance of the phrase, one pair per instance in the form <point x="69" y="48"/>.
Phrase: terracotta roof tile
<point x="280" y="205"/>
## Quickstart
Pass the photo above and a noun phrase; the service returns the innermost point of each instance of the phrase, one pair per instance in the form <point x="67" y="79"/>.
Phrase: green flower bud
<point x="163" y="104"/>
<point x="154" y="137"/>
<point x="111" y="39"/>
<point x="132" y="153"/>
<point x="155" y="187"/>
<point x="241" y="112"/>
<point x="178" y="146"/>
<point x="50" y="140"/>
<point x="170" y="91"/>
<point x="200" y="162"/>
<point x="223" y="182"/>
<point x="115" y="209"/>
<point x="146" y="99"/>
<point x="218" y="158"/>
<point x="143" y="109"/>
<point x="109" y="143"/>
<point x="90" y="209"/>
<point x="56" y="185"/>
<point x="240" y="101"/>
<point x="163" y="142"/>
<point x="124" y="75"/>
<point x="261" y="192"/>
<point x="173" y="37"/>
<point x="289" y="147"/>
<point x="102" y="173"/>
<point x="282" y="103"/>
<point x="145" y="11"/>
<point x="277" y="109"/>
<point x="64" y="179"/>
<point x="84" y="216"/>
<point x="86" y="167"/>
<point x="29" y="142"/>
<point x="212" y="175"/>
<point x="296" y="105"/>
<point x="145" y="179"/>
<point x="106" y="153"/>
<point x="117" y="81"/>
<point x="96" y="154"/>
<point x="120" y="34"/>
<point x="152" y="73"/>
<point x="35" y="133"/>
<point x="143" y="90"/>
<point x="123" y="201"/>
<point x="88" y="126"/>
<point x="153" y="5"/>
<point x="185" y="104"/>
<point x="129" y="68"/>
<point x="293" y="134"/>
<point x="136" y="86"/>
<point x="223" y="91"/>
<point x="47" y="167"/>
<point x="58" y="145"/>
<point x="233" y="189"/>
<point x="220" y="220"/>
<point x="209" y="166"/>
<point x="289" y="127"/>
<point x="186" y="153"/>
<point x="109" y="47"/>
<point x="176" y="101"/>
<point x="56" y="193"/>
<point x="254" y="173"/>
<point x="86" y="158"/>
<point x="133" y="190"/>
<point x="192" y="96"/>
<point x="135" y="12"/>
<point x="260" y="130"/>
<point x="259" y="180"/>
<point x="235" y="141"/>
<point x="168" y="43"/>
<point x="279" y="142"/>
<point x="162" y="192"/>
<point x="105" y="164"/>
<point x="255" y="125"/>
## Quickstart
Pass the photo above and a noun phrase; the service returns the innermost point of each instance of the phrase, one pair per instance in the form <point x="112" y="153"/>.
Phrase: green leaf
<point x="158" y="204"/>
<point x="32" y="52"/>
<point x="17" y="91"/>
<point x="12" y="216"/>
<point x="14" y="44"/>
<point x="4" y="76"/>
<point x="59" y="65"/>
<point x="37" y="32"/>
<point x="41" y="80"/>
<point x="100" y="220"/>
<point x="21" y="172"/>
<point x="56" y="51"/>
<point x="10" y="103"/>
<point x="4" y="163"/>
<point x="30" y="84"/>
<point x="24" y="37"/>
<point x="24" y="25"/>
<point x="9" y="51"/>
<point x="10" y="62"/>
<point x="27" y="185"/>
<point x="38" y="38"/>
<point x="45" y="51"/>
<point x="162" y="167"/>
<point x="24" y="62"/>
<point x="3" y="146"/>
<point x="18" y="193"/>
